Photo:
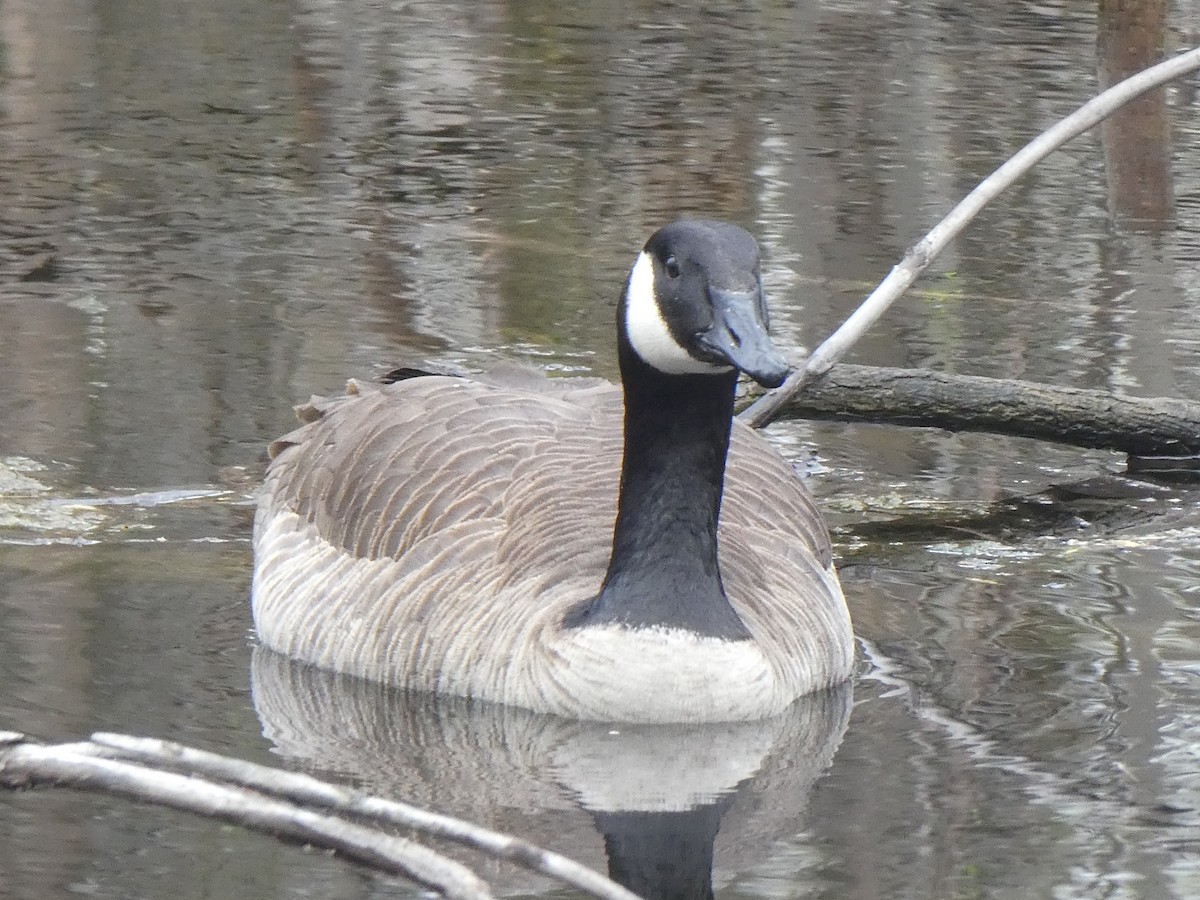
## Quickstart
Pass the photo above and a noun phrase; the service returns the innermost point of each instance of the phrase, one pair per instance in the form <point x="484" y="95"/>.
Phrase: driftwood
<point x="1147" y="428"/>
<point x="285" y="804"/>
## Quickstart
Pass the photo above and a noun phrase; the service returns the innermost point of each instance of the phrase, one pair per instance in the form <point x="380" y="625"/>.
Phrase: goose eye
<point x="671" y="264"/>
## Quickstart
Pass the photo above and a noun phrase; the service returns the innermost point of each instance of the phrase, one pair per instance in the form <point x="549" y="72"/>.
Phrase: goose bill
<point x="738" y="336"/>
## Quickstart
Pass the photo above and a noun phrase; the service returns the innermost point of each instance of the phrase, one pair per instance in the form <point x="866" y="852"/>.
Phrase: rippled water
<point x="212" y="210"/>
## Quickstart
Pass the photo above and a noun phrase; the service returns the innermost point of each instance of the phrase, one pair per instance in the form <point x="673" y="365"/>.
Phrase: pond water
<point x="212" y="210"/>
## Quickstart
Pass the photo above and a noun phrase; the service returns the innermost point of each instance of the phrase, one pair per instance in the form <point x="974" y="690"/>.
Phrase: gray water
<point x="209" y="211"/>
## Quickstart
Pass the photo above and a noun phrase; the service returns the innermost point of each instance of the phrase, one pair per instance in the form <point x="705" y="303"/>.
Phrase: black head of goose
<point x="457" y="535"/>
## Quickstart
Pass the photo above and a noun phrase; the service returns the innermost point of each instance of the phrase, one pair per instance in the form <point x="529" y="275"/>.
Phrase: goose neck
<point x="664" y="569"/>
<point x="673" y="469"/>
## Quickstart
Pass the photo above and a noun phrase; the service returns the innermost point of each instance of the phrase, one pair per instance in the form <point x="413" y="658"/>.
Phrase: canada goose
<point x="457" y="535"/>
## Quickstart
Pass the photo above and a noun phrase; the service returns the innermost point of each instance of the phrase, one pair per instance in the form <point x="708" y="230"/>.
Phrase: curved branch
<point x="24" y="765"/>
<point x="926" y="250"/>
<point x="310" y="791"/>
<point x="286" y="804"/>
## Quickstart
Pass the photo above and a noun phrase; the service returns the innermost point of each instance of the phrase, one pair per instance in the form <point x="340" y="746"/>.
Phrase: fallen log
<point x="1147" y="428"/>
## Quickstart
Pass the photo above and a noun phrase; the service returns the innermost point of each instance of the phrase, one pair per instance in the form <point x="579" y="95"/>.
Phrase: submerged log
<point x="1138" y="426"/>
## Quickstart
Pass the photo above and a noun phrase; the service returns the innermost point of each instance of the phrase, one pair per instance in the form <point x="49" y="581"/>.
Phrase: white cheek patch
<point x="647" y="329"/>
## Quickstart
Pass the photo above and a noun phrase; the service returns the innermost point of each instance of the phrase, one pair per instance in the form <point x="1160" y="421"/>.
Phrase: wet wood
<point x="1143" y="427"/>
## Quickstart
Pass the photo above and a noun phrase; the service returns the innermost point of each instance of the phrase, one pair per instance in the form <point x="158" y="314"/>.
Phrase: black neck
<point x="664" y="570"/>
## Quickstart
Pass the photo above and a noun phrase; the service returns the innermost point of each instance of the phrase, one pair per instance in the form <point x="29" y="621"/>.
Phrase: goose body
<point x="457" y="535"/>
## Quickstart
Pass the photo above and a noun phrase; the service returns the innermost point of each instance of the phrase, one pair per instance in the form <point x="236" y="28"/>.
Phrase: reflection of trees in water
<point x="1137" y="144"/>
<point x="1039" y="674"/>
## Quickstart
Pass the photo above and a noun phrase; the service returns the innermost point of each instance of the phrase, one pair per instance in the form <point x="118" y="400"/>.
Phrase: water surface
<point x="211" y="211"/>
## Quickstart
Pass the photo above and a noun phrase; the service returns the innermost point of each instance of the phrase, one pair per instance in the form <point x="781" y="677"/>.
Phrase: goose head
<point x="694" y="305"/>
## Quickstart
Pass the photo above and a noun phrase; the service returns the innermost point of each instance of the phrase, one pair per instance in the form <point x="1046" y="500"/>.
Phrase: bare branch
<point x="25" y="764"/>
<point x="282" y="803"/>
<point x="925" y="251"/>
<point x="310" y="791"/>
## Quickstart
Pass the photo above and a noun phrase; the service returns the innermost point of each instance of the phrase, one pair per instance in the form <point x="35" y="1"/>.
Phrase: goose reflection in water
<point x="650" y="804"/>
